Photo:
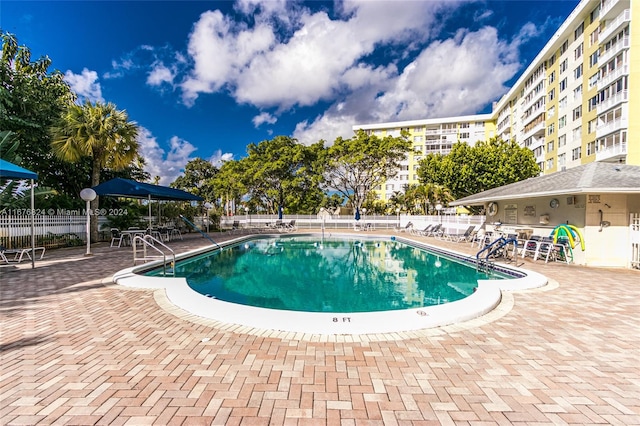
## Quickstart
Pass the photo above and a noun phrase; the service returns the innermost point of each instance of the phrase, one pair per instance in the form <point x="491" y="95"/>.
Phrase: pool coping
<point x="485" y="299"/>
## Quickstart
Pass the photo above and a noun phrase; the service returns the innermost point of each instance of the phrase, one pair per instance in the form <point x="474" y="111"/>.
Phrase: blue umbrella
<point x="280" y="212"/>
<point x="357" y="213"/>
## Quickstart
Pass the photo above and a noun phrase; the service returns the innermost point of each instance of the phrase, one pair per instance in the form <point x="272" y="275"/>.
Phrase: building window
<point x="538" y="151"/>
<point x="593" y="80"/>
<point x="464" y="135"/>
<point x="551" y="112"/>
<point x="389" y="187"/>
<point x="594" y="36"/>
<point x="577" y="73"/>
<point x="577" y="133"/>
<point x="563" y="65"/>
<point x="550" y="164"/>
<point x="595" y="13"/>
<point x="563" y="84"/>
<point x="576" y="153"/>
<point x="562" y="160"/>
<point x="592" y="126"/>
<point x="578" y="51"/>
<point x="577" y="113"/>
<point x="593" y="59"/>
<point x="551" y="129"/>
<point x="550" y="147"/>
<point x="417" y="139"/>
<point x="563" y="103"/>
<point x="591" y="148"/>
<point x="562" y="140"/>
<point x="577" y="93"/>
<point x="562" y="121"/>
<point x="551" y="60"/>
<point x="417" y="149"/>
<point x="593" y="102"/>
<point x="552" y="77"/>
<point x="564" y="47"/>
<point x="552" y="94"/>
<point x="578" y="31"/>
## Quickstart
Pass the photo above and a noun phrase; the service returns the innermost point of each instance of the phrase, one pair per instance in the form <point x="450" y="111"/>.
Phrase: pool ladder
<point x="497" y="249"/>
<point x="148" y="244"/>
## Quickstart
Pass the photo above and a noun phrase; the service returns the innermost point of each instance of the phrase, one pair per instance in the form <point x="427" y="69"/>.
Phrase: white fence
<point x="64" y="230"/>
<point x="451" y="223"/>
<point x="50" y="230"/>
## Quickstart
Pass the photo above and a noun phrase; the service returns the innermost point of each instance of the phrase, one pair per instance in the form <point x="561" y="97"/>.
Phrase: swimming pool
<point x="343" y="275"/>
<point x="486" y="296"/>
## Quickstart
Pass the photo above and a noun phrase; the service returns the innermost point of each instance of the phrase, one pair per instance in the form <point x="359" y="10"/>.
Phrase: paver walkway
<point x="77" y="349"/>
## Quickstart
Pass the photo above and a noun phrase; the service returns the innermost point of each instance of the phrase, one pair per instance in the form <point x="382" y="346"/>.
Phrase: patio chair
<point x="116" y="236"/>
<point x="407" y="228"/>
<point x="459" y="237"/>
<point x="18" y="255"/>
<point x="422" y="231"/>
<point x="291" y="226"/>
<point x="435" y="231"/>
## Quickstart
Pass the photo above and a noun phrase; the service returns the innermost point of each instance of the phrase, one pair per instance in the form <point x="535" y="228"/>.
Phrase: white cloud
<point x="443" y="80"/>
<point x="218" y="158"/>
<point x="160" y="74"/>
<point x="85" y="85"/>
<point x="167" y="165"/>
<point x="263" y="117"/>
<point x="303" y="66"/>
<point x="280" y="55"/>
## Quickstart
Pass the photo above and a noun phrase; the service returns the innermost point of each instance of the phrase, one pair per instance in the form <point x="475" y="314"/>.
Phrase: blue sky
<point x="206" y="78"/>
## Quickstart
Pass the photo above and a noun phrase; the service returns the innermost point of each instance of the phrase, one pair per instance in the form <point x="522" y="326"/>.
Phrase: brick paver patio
<point x="78" y="349"/>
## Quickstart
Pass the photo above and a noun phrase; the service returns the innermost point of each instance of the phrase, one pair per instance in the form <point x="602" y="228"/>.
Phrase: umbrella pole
<point x="149" y="212"/>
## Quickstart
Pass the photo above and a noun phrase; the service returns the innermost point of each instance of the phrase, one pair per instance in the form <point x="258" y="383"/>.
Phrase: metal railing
<point x="148" y="242"/>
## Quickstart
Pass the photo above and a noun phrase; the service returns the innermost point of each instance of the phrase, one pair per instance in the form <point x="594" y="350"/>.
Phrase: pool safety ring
<point x="492" y="209"/>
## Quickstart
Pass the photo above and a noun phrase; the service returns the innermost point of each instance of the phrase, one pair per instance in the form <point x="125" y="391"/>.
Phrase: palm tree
<point x="101" y="132"/>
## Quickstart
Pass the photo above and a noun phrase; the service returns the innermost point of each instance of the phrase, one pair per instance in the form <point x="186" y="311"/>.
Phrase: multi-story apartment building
<point x="574" y="104"/>
<point x="429" y="136"/>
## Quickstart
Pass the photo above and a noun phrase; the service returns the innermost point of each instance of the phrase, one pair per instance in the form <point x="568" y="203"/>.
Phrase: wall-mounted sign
<point x="530" y="211"/>
<point x="511" y="213"/>
<point x="594" y="199"/>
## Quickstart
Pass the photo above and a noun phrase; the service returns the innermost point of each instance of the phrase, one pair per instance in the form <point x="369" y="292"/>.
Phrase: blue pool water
<point x="309" y="274"/>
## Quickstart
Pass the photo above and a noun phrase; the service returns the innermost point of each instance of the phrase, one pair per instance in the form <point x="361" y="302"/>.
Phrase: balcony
<point x="612" y="76"/>
<point x="614" y="50"/>
<point x="612" y="153"/>
<point x="614" y="25"/>
<point x="611" y="8"/>
<point x="611" y="127"/>
<point x="613" y="101"/>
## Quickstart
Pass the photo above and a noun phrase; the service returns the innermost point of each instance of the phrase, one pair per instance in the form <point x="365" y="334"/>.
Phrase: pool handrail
<point x="188" y="222"/>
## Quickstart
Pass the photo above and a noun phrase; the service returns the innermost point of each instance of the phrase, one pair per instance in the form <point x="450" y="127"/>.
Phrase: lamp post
<point x="438" y="208"/>
<point x="88" y="195"/>
<point x="246" y="216"/>
<point x="398" y="214"/>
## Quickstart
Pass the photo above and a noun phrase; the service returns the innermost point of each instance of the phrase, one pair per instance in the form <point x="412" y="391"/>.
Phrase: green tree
<point x="282" y="173"/>
<point x="228" y="185"/>
<point x="31" y="99"/>
<point x="357" y="165"/>
<point x="467" y="170"/>
<point x="12" y="195"/>
<point x="100" y="132"/>
<point x="197" y="179"/>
